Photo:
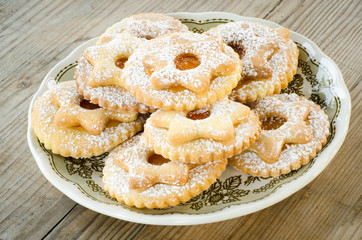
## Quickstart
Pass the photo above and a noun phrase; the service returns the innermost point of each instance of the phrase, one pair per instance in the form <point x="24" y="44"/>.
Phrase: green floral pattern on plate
<point x="233" y="187"/>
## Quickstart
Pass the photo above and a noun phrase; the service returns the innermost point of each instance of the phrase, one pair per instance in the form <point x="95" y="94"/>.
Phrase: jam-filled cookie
<point x="136" y="176"/>
<point x="145" y="26"/>
<point x="71" y="126"/>
<point x="217" y="131"/>
<point x="270" y="58"/>
<point x="294" y="129"/>
<point x="112" y="97"/>
<point x="109" y="58"/>
<point x="182" y="71"/>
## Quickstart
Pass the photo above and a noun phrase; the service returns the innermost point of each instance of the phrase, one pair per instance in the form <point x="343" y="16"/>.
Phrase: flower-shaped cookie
<point x="147" y="168"/>
<point x="187" y="61"/>
<point x="182" y="71"/>
<point x="144" y="26"/>
<point x="217" y="131"/>
<point x="136" y="176"/>
<point x="108" y="59"/>
<point x="269" y="57"/>
<point x="71" y="126"/>
<point x="293" y="131"/>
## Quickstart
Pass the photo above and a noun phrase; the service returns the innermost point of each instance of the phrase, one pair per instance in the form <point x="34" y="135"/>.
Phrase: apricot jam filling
<point x="198" y="114"/>
<point x="157" y="160"/>
<point x="84" y="103"/>
<point x="272" y="123"/>
<point x="186" y="61"/>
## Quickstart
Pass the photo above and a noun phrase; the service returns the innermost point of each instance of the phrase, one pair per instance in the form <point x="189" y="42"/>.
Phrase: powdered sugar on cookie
<point x="112" y="97"/>
<point x="151" y="83"/>
<point x="203" y="148"/>
<point x="159" y="195"/>
<point x="76" y="141"/>
<point x="293" y="156"/>
<point x="109" y="58"/>
<point x="269" y="57"/>
<point x="146" y="26"/>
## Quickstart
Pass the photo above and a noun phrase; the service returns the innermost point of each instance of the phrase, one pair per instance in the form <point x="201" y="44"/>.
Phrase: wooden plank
<point x="335" y="26"/>
<point x="83" y="223"/>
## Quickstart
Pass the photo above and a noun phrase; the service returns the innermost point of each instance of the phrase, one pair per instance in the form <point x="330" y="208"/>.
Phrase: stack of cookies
<point x="203" y="101"/>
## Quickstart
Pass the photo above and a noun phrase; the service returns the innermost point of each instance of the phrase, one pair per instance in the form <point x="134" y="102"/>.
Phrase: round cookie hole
<point x="120" y="62"/>
<point x="272" y="123"/>
<point x="86" y="104"/>
<point x="198" y="114"/>
<point x="186" y="61"/>
<point x="157" y="159"/>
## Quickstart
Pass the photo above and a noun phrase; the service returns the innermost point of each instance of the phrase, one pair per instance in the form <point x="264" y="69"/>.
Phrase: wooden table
<point x="35" y="35"/>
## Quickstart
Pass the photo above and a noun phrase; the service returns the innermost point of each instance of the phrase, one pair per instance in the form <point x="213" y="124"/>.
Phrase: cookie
<point x="144" y="26"/>
<point x="136" y="176"/>
<point x="111" y="97"/>
<point x="109" y="58"/>
<point x="217" y="131"/>
<point x="182" y="71"/>
<point x="294" y="129"/>
<point x="270" y="58"/>
<point x="71" y="126"/>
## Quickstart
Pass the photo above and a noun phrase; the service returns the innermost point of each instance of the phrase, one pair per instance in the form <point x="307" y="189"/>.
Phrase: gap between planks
<point x="59" y="221"/>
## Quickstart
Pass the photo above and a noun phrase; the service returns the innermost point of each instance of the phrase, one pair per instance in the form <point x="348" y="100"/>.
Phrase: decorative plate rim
<point x="230" y="212"/>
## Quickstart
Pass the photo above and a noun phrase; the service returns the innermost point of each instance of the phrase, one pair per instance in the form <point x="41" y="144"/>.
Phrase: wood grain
<point x="35" y="35"/>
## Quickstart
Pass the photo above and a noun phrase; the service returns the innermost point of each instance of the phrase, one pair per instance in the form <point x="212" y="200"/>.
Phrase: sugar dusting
<point x="114" y="97"/>
<point x="76" y="141"/>
<point x="71" y="113"/>
<point x="266" y="50"/>
<point x="105" y="56"/>
<point x="218" y="126"/>
<point x="148" y="25"/>
<point x="165" y="49"/>
<point x="253" y="38"/>
<point x="293" y="155"/>
<point x="204" y="148"/>
<point x="200" y="178"/>
<point x="143" y="174"/>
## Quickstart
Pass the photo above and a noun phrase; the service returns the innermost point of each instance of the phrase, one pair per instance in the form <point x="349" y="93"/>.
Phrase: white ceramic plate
<point x="234" y="194"/>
